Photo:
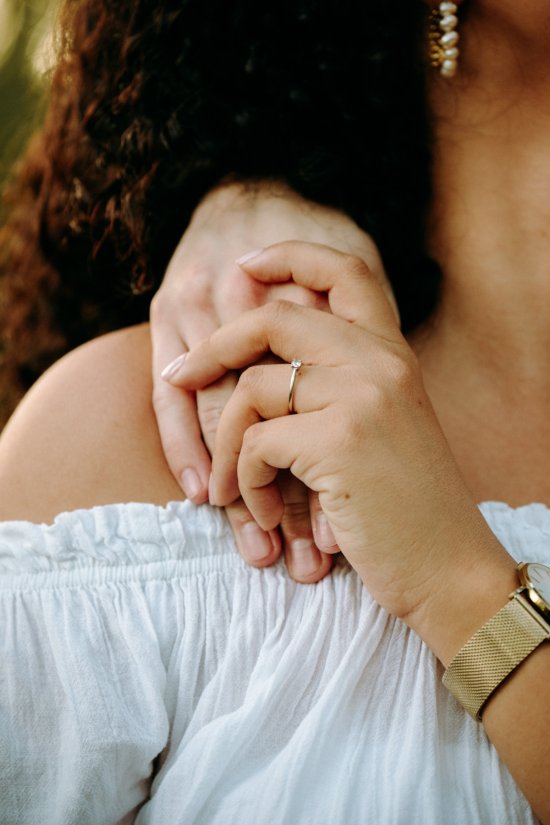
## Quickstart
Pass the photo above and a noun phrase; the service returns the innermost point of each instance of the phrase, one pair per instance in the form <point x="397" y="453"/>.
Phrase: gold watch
<point x="502" y="643"/>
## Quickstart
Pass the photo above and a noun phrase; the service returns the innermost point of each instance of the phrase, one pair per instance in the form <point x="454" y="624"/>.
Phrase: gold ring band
<point x="296" y="365"/>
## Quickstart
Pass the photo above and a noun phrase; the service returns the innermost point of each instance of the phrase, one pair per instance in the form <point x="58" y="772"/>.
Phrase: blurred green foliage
<point x="25" y="58"/>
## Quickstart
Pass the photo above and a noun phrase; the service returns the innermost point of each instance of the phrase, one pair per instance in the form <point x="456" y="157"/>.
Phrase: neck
<point x="490" y="222"/>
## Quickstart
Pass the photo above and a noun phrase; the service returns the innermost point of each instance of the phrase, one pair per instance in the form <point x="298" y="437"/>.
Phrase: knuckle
<point x="195" y="287"/>
<point x="279" y="310"/>
<point x="237" y="291"/>
<point x="297" y="509"/>
<point x="158" y="307"/>
<point x="209" y="417"/>
<point x="296" y="517"/>
<point x="251" y="380"/>
<point x="301" y="295"/>
<point x="382" y="394"/>
<point x="210" y="408"/>
<point x="162" y="399"/>
<point x="402" y="371"/>
<point x="278" y="314"/>
<point x="190" y="291"/>
<point x="356" y="267"/>
<point x="252" y="440"/>
<point x="238" y="514"/>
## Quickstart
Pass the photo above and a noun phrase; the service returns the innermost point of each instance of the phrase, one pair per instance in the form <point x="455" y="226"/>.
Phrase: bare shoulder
<point x="85" y="434"/>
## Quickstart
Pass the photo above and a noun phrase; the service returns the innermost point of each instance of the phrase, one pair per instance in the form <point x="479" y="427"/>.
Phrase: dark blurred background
<point x="26" y="57"/>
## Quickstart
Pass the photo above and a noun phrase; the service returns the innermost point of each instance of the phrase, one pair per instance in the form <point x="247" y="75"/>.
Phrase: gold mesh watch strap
<point x="498" y="647"/>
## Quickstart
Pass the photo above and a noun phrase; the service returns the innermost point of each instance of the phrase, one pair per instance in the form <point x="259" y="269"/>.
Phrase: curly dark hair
<point x="153" y="102"/>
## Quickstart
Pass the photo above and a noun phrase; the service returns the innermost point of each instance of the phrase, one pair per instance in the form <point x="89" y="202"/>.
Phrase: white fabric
<point x="133" y="631"/>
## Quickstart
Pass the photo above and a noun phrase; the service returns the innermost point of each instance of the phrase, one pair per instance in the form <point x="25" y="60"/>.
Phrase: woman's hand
<point x="203" y="289"/>
<point x="365" y="438"/>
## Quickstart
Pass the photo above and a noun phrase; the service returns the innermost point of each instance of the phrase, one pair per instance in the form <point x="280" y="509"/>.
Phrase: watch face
<point x="538" y="578"/>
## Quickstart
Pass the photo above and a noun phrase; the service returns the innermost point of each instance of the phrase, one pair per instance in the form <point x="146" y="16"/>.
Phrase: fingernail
<point x="191" y="483"/>
<point x="255" y="542"/>
<point x="248" y="257"/>
<point x="172" y="368"/>
<point x="305" y="557"/>
<point x="324" y="537"/>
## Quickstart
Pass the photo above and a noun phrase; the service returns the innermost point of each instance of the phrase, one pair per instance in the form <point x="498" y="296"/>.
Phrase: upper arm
<point x="86" y="434"/>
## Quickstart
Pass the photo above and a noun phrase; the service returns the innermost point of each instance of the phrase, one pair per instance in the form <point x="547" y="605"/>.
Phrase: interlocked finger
<point x="354" y="291"/>
<point x="305" y="562"/>
<point x="271" y="446"/>
<point x="284" y="329"/>
<point x="262" y="393"/>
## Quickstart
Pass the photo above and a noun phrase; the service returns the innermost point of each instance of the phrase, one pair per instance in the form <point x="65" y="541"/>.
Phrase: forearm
<point x="517" y="720"/>
<point x="373" y="448"/>
<point x="516" y="716"/>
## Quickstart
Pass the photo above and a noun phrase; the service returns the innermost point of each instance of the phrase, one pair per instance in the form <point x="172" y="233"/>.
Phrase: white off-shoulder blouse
<point x="149" y="675"/>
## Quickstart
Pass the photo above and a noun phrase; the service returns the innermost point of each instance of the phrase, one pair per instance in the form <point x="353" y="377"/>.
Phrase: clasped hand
<point x="203" y="289"/>
<point x="365" y="436"/>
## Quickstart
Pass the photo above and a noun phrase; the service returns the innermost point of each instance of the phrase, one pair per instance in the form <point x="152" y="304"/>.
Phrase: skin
<point x="97" y="405"/>
<point x="487" y="153"/>
<point x="98" y="442"/>
<point x="366" y="437"/>
<point x="483" y="359"/>
<point x="204" y="288"/>
<point x="485" y="356"/>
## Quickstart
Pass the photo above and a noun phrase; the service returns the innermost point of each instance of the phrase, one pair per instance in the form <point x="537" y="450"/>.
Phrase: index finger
<point x="354" y="291"/>
<point x="176" y="413"/>
<point x="282" y="328"/>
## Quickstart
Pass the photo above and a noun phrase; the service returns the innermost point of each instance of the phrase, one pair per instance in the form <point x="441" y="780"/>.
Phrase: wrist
<point x="467" y="595"/>
<point x="230" y="191"/>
